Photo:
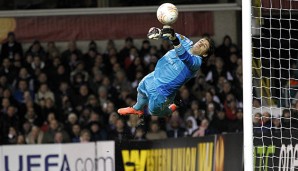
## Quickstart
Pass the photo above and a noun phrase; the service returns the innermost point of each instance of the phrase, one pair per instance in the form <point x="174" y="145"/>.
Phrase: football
<point x="167" y="14"/>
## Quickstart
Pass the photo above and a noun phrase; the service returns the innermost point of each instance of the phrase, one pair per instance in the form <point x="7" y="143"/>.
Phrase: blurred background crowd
<point x="49" y="95"/>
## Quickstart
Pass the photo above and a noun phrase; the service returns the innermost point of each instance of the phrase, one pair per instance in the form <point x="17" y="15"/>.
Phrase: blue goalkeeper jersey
<point x="176" y="67"/>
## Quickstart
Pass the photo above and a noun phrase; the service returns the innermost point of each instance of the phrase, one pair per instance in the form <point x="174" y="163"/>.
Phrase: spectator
<point x="8" y="70"/>
<point x="35" y="136"/>
<point x="203" y="129"/>
<point x="11" y="136"/>
<point x="49" y="136"/>
<point x="276" y="125"/>
<point x="217" y="71"/>
<point x="112" y="121"/>
<point x="11" y="47"/>
<point x="230" y="107"/>
<point x="133" y="123"/>
<point x="21" y="140"/>
<point x="52" y="51"/>
<point x="72" y="49"/>
<point x="266" y="122"/>
<point x="191" y="126"/>
<point x="286" y="119"/>
<point x="176" y="129"/>
<point x="145" y="48"/>
<point x="58" y="138"/>
<point x="219" y="123"/>
<point x="81" y="99"/>
<point x="155" y="133"/>
<point x="97" y="132"/>
<point x="124" y="52"/>
<point x="72" y="119"/>
<point x="10" y="120"/>
<point x="224" y="49"/>
<point x="237" y="125"/>
<point x="44" y="93"/>
<point x="36" y="50"/>
<point x="75" y="133"/>
<point x="140" y="134"/>
<point x="79" y="76"/>
<point x="85" y="136"/>
<point x="32" y="117"/>
<point x="120" y="132"/>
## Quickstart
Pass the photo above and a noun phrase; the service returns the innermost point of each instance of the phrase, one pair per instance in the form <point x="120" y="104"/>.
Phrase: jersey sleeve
<point x="186" y="42"/>
<point x="193" y="62"/>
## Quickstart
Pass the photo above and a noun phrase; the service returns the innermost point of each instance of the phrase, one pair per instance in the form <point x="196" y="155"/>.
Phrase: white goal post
<point x="247" y="85"/>
<point x="270" y="84"/>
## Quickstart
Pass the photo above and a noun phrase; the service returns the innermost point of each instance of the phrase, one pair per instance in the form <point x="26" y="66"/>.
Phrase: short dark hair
<point x="211" y="46"/>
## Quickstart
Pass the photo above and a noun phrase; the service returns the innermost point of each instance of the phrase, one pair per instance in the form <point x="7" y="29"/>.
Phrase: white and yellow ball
<point x="167" y="14"/>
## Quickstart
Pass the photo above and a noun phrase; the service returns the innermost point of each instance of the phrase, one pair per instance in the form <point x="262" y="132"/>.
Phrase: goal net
<point x="274" y="30"/>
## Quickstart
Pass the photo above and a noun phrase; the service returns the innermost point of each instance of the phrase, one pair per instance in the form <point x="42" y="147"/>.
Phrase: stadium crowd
<point x="53" y="96"/>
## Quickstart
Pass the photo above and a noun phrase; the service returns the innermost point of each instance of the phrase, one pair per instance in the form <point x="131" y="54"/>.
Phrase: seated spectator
<point x="155" y="133"/>
<point x="176" y="129"/>
<point x="11" y="136"/>
<point x="49" y="136"/>
<point x="37" y="66"/>
<point x="120" y="132"/>
<point x="230" y="107"/>
<point x="20" y="92"/>
<point x="112" y="121"/>
<point x="224" y="48"/>
<point x="237" y="125"/>
<point x="35" y="136"/>
<point x="266" y="122"/>
<point x="97" y="132"/>
<point x="72" y="49"/>
<point x="286" y="119"/>
<point x="85" y="136"/>
<point x="32" y="117"/>
<point x="203" y="129"/>
<point x="217" y="71"/>
<point x="8" y="70"/>
<point x="133" y="123"/>
<point x="21" y="139"/>
<point x="79" y="76"/>
<point x="72" y="119"/>
<point x="58" y="138"/>
<point x="36" y="50"/>
<point x="52" y="51"/>
<point x="191" y="126"/>
<point x="80" y="100"/>
<point x="139" y="134"/>
<point x="219" y="123"/>
<point x="10" y="120"/>
<point x="276" y="125"/>
<point x="257" y="122"/>
<point x="44" y="93"/>
<point x="75" y="133"/>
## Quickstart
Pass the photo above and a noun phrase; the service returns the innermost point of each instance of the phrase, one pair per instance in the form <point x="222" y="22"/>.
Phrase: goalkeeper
<point x="158" y="89"/>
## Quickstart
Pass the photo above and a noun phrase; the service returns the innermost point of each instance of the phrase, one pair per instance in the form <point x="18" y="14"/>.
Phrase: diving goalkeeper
<point x="158" y="89"/>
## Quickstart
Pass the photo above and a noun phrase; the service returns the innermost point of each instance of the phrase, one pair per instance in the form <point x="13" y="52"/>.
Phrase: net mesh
<point x="275" y="84"/>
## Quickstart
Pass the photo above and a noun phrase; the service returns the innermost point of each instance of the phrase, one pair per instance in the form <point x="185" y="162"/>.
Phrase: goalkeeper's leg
<point x="137" y="109"/>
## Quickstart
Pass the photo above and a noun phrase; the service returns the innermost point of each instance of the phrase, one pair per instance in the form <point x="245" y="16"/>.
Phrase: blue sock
<point x="142" y="100"/>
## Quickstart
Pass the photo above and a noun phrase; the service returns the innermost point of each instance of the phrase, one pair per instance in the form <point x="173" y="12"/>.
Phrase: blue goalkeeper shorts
<point x="147" y="95"/>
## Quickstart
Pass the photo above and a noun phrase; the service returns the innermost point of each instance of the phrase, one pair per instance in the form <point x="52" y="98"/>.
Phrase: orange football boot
<point x="130" y="110"/>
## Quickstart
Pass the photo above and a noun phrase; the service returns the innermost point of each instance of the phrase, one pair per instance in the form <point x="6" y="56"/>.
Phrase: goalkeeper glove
<point x="154" y="33"/>
<point x="169" y="33"/>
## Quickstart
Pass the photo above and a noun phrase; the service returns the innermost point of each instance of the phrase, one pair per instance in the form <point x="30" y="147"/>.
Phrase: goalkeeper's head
<point x="204" y="47"/>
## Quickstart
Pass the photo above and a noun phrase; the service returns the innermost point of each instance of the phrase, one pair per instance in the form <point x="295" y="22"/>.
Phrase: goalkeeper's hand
<point x="169" y="33"/>
<point x="154" y="33"/>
